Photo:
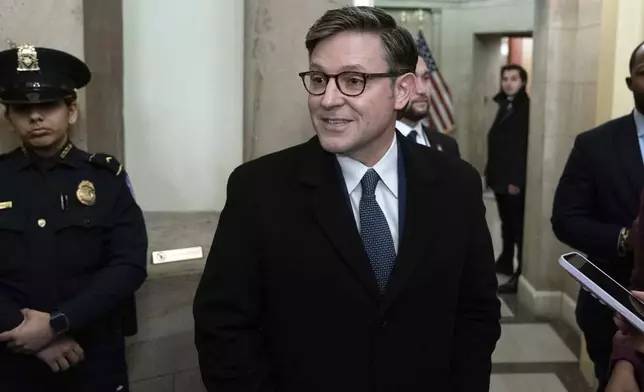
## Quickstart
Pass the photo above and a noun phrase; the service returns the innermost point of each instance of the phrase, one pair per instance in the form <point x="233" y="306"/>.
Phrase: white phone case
<point x="598" y="292"/>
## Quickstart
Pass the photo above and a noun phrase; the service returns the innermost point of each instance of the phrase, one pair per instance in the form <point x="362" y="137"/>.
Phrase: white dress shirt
<point x="421" y="136"/>
<point x="386" y="190"/>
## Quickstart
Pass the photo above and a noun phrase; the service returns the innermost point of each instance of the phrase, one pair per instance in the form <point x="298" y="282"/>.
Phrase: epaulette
<point x="107" y="162"/>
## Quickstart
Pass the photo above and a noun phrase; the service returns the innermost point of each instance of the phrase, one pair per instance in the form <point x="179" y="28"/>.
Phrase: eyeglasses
<point x="350" y="84"/>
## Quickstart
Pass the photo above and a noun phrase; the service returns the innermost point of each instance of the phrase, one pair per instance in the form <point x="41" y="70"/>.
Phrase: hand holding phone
<point x="637" y="242"/>
<point x="604" y="288"/>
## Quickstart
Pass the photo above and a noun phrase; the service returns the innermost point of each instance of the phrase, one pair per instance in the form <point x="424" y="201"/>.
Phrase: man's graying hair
<point x="398" y="45"/>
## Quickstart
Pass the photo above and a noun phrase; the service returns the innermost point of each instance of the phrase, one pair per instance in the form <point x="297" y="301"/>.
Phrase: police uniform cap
<point x="36" y="75"/>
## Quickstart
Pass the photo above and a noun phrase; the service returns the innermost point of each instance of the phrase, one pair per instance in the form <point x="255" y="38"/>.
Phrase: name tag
<point x="6" y="205"/>
<point x="169" y="256"/>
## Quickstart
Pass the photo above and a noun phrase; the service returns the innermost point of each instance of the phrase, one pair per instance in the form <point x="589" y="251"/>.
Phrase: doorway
<point x="491" y="52"/>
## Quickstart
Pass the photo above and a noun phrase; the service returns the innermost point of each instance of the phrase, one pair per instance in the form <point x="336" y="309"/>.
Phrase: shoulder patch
<point x="107" y="162"/>
<point x="129" y="185"/>
<point x="112" y="164"/>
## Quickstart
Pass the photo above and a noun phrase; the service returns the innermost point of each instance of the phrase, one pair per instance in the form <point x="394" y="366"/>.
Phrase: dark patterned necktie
<point x="412" y="136"/>
<point x="374" y="230"/>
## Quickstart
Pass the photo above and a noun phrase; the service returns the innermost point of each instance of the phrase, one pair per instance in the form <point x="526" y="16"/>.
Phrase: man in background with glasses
<point x="358" y="261"/>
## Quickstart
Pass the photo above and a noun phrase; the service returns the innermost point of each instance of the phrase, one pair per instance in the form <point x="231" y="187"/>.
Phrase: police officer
<point x="73" y="242"/>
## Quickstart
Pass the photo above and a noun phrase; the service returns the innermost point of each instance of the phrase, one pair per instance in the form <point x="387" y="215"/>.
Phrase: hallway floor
<point x="533" y="355"/>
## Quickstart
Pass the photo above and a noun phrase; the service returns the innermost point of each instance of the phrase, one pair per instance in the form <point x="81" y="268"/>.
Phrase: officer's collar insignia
<point x="27" y="58"/>
<point x="86" y="193"/>
<point x="66" y="151"/>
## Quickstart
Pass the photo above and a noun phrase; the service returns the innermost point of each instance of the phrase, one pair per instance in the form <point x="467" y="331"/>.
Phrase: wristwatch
<point x="623" y="244"/>
<point x="59" y="323"/>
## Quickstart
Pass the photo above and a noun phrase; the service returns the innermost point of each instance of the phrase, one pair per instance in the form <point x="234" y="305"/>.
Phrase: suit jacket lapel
<point x="430" y="137"/>
<point x="419" y="226"/>
<point x="434" y="142"/>
<point x="628" y="148"/>
<point x="324" y="188"/>
<point x="506" y="109"/>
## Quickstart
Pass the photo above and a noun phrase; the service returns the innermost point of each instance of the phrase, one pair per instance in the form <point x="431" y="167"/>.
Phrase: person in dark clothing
<point x="596" y="202"/>
<point x="627" y="358"/>
<point x="73" y="239"/>
<point x="505" y="172"/>
<point x="307" y="287"/>
<point x="410" y="119"/>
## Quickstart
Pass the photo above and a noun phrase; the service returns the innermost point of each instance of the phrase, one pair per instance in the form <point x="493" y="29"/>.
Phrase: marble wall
<point x="103" y="28"/>
<point x="275" y="108"/>
<point x="622" y="30"/>
<point x="183" y="98"/>
<point x="563" y="104"/>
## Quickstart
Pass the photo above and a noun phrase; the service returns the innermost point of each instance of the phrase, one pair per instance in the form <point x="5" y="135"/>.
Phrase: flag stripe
<point x="442" y="97"/>
<point x="438" y="108"/>
<point x="444" y="91"/>
<point x="439" y="120"/>
<point x="436" y="120"/>
<point x="442" y="102"/>
<point x="441" y="109"/>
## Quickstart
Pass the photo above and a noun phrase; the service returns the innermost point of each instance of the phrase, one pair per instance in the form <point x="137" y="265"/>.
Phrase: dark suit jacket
<point x="288" y="301"/>
<point x="447" y="143"/>
<point x="598" y="193"/>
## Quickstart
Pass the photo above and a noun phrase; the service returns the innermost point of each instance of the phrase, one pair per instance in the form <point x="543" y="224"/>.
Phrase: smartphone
<point x="604" y="288"/>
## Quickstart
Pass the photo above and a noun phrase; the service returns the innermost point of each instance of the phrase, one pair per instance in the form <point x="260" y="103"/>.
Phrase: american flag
<point x="441" y="111"/>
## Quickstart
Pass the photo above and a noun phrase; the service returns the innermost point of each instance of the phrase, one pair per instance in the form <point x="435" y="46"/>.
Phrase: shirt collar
<point x="69" y="155"/>
<point x="387" y="169"/>
<point x="406" y="129"/>
<point x="639" y="122"/>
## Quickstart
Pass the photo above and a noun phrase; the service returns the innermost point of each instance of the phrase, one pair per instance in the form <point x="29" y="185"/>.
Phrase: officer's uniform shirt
<point x="72" y="237"/>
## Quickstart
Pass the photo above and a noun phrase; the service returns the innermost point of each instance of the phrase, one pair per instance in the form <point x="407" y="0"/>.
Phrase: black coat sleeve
<point x="452" y="146"/>
<point x="573" y="221"/>
<point x="518" y="170"/>
<point x="10" y="315"/>
<point x="125" y="270"/>
<point x="457" y="151"/>
<point x="477" y="324"/>
<point x="227" y="306"/>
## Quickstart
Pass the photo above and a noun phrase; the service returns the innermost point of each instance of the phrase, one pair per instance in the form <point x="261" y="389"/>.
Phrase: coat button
<point x="42" y="222"/>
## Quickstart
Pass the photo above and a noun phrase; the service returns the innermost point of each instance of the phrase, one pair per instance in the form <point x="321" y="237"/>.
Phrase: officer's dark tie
<point x="375" y="232"/>
<point x="412" y="136"/>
